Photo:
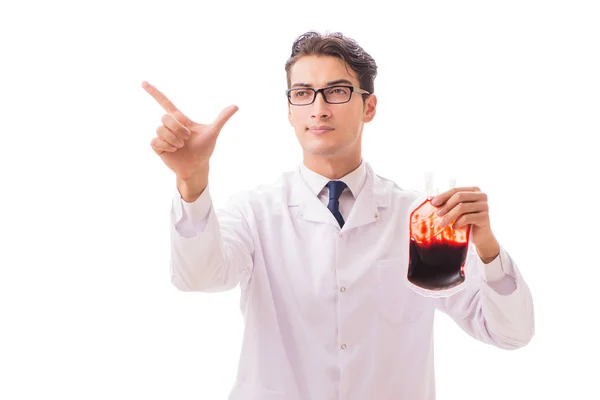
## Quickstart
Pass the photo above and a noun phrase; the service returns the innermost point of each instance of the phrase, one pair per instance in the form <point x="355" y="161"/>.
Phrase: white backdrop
<point x="503" y="95"/>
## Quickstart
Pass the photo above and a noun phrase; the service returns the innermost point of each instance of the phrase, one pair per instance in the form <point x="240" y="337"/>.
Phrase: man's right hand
<point x="184" y="145"/>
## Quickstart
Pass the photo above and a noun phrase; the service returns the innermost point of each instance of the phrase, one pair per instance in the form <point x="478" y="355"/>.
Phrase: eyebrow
<point x="336" y="82"/>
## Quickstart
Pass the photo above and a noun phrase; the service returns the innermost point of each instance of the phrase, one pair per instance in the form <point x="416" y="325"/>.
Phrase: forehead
<point x="318" y="70"/>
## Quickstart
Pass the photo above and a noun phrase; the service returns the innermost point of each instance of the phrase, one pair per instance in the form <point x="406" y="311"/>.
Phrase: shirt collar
<point x="355" y="180"/>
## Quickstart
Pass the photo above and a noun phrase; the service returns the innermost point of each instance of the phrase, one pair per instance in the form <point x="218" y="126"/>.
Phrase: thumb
<point x="227" y="112"/>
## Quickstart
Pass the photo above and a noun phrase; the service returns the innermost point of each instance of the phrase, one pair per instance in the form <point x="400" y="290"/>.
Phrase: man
<point x="320" y="256"/>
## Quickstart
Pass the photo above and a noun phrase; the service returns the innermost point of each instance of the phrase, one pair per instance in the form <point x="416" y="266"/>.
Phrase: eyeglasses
<point x="331" y="95"/>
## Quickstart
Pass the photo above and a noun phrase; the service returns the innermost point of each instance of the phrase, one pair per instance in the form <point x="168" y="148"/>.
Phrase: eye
<point x="338" y="90"/>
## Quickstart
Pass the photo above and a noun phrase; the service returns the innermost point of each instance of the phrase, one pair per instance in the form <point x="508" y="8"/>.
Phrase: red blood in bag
<point x="436" y="255"/>
<point x="436" y="265"/>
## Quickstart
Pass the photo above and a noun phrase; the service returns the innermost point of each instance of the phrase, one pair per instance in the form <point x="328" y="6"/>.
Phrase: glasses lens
<point x="338" y="94"/>
<point x="301" y="96"/>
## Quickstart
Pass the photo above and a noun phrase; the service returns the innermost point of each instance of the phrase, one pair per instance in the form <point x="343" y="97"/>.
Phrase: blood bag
<point x="437" y="255"/>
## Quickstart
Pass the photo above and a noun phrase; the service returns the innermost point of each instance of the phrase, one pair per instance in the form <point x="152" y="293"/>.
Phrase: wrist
<point x="192" y="186"/>
<point x="488" y="252"/>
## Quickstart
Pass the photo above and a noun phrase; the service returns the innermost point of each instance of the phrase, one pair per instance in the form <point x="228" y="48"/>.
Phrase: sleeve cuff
<point x="499" y="273"/>
<point x="497" y="269"/>
<point x="195" y="211"/>
<point x="492" y="271"/>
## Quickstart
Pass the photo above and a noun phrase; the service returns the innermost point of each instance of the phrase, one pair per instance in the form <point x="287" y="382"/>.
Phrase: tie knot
<point x="335" y="189"/>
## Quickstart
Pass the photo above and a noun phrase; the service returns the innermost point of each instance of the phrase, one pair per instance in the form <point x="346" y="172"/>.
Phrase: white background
<point x="504" y="95"/>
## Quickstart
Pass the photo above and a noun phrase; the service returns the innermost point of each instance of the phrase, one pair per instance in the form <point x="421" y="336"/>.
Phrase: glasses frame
<point x="322" y="91"/>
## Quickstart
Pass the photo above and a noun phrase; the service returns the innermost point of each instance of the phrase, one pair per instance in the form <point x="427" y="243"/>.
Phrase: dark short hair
<point x="336" y="45"/>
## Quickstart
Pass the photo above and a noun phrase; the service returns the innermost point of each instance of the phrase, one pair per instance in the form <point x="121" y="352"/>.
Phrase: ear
<point x="370" y="108"/>
<point x="290" y="114"/>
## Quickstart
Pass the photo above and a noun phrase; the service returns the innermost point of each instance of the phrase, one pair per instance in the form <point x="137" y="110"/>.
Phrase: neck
<point x="331" y="167"/>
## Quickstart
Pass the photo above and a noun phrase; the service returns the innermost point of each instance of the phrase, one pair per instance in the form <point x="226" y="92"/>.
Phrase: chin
<point x="320" y="145"/>
<point x="321" y="150"/>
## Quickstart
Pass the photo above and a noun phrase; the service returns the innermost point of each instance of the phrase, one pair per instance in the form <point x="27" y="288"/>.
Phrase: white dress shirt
<point x="326" y="312"/>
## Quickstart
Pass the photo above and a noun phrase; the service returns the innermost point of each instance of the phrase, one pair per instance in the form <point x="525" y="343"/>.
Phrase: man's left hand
<point x="468" y="206"/>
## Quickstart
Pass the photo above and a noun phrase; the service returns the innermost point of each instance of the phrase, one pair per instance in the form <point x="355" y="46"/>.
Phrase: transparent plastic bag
<point x="437" y="255"/>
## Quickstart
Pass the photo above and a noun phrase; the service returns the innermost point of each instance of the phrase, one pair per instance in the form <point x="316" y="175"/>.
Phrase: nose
<point x="320" y="108"/>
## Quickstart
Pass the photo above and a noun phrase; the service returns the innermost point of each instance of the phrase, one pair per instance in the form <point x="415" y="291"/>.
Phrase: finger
<point x="171" y="123"/>
<point x="165" y="134"/>
<point x="461" y="197"/>
<point x="160" y="146"/>
<point x="224" y="117"/>
<point x="159" y="97"/>
<point x="463" y="209"/>
<point x="480" y="219"/>
<point x="443" y="197"/>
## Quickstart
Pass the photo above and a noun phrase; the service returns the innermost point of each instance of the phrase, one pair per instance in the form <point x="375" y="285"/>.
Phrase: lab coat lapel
<point x="306" y="206"/>
<point x="371" y="198"/>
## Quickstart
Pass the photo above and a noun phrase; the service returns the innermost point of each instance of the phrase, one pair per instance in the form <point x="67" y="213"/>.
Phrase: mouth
<point x="320" y="130"/>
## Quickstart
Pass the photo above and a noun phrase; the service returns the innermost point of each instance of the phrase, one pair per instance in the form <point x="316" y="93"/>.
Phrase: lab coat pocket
<point x="395" y="301"/>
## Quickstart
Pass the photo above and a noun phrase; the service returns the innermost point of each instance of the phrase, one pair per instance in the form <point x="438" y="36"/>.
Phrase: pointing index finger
<point x="159" y="97"/>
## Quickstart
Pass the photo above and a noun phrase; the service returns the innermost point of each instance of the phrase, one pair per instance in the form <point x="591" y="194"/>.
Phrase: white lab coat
<point x="327" y="313"/>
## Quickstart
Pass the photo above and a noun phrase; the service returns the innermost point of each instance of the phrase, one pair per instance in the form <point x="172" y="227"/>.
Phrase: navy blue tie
<point x="335" y="190"/>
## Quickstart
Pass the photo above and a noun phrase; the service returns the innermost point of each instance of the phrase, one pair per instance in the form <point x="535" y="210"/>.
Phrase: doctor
<point x="320" y="256"/>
